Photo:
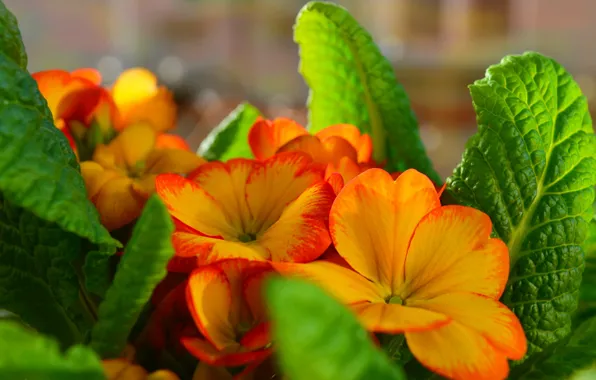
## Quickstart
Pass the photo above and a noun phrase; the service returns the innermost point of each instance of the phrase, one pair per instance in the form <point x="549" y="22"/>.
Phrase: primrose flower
<point x="122" y="174"/>
<point x="341" y="147"/>
<point x="276" y="210"/>
<point x="408" y="265"/>
<point x="226" y="304"/>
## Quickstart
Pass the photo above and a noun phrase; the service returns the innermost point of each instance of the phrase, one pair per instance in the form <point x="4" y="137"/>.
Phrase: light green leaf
<point x="567" y="358"/>
<point x="532" y="168"/>
<point x="142" y="267"/>
<point x="230" y="138"/>
<point x="11" y="42"/>
<point x="30" y="356"/>
<point x="351" y="82"/>
<point x="317" y="338"/>
<point x="587" y="293"/>
<point x="37" y="279"/>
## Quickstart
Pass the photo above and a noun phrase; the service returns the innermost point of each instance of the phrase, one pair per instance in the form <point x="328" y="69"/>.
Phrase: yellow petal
<point x="159" y="112"/>
<point x="117" y="203"/>
<point x="207" y="372"/>
<point x="133" y="86"/>
<point x="133" y="144"/>
<point x="172" y="161"/>
<point x="106" y="157"/>
<point x="145" y="186"/>
<point x="95" y="177"/>
<point x="393" y="318"/>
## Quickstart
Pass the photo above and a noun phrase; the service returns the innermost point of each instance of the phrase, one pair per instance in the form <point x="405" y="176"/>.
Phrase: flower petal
<point x="487" y="317"/>
<point x="473" y="358"/>
<point x="257" y="337"/>
<point x="205" y="371"/>
<point x="361" y="142"/>
<point x="301" y="233"/>
<point x="266" y="136"/>
<point x="118" y="204"/>
<point x="133" y="144"/>
<point x="209" y="297"/>
<point x="341" y="281"/>
<point x="95" y="177"/>
<point x="172" y="161"/>
<point x="168" y="140"/>
<point x="308" y="144"/>
<point x="55" y="84"/>
<point x="134" y="85"/>
<point x="337" y="148"/>
<point x="206" y="353"/>
<point x="192" y="205"/>
<point x="90" y="74"/>
<point x="393" y="319"/>
<point x="336" y="181"/>
<point x="274" y="184"/>
<point x="450" y="251"/>
<point x="252" y="291"/>
<point x="347" y="168"/>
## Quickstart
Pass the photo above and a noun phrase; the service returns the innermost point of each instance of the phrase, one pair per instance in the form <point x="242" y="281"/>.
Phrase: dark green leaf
<point x="351" y="82"/>
<point x="230" y="138"/>
<point x="37" y="279"/>
<point x="11" y="42"/>
<point x="142" y="267"/>
<point x="317" y="338"/>
<point x="97" y="270"/>
<point x="30" y="356"/>
<point x="532" y="168"/>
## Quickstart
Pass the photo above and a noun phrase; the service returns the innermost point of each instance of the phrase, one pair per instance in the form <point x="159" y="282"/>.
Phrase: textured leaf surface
<point x="27" y="355"/>
<point x="11" y="42"/>
<point x="142" y="267"/>
<point x="587" y="294"/>
<point x="311" y="327"/>
<point x="567" y="358"/>
<point x="230" y="138"/>
<point x="532" y="168"/>
<point x="37" y="279"/>
<point x="351" y="82"/>
<point x="97" y="269"/>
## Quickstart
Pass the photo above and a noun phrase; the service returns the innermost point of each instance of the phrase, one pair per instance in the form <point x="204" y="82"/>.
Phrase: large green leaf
<point x="587" y="294"/>
<point x="317" y="338"/>
<point x="98" y="269"/>
<point x="37" y="279"/>
<point x="27" y="355"/>
<point x="10" y="37"/>
<point x="351" y="82"/>
<point x="532" y="168"/>
<point x="565" y="359"/>
<point x="230" y="138"/>
<point x="142" y="267"/>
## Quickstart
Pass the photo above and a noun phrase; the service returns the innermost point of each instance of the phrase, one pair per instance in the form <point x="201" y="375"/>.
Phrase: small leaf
<point x="11" y="42"/>
<point x="532" y="168"/>
<point x="97" y="269"/>
<point x="351" y="82"/>
<point x="27" y="355"/>
<point x="317" y="338"/>
<point x="142" y="267"/>
<point x="230" y="138"/>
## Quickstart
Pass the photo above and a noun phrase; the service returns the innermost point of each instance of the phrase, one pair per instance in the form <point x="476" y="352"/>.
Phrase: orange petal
<point x="266" y="136"/>
<point x="274" y="184"/>
<point x="79" y="105"/>
<point x="252" y="291"/>
<point x="450" y="251"/>
<point x="301" y="233"/>
<point x="205" y="371"/>
<point x="337" y="148"/>
<point x="168" y="140"/>
<point x="361" y="142"/>
<point x="308" y="144"/>
<point x="486" y="316"/>
<point x="209" y="297"/>
<point x="117" y="203"/>
<point x="55" y="84"/>
<point x="347" y="168"/>
<point x="144" y="186"/>
<point x="257" y="338"/>
<point x="342" y="282"/>
<point x="192" y="205"/>
<point x="172" y="161"/>
<point x="393" y="318"/>
<point x="206" y="353"/>
<point x="458" y="352"/>
<point x="372" y="219"/>
<point x="92" y="75"/>
<point x="336" y="181"/>
<point x="95" y="177"/>
<point x="116" y="369"/>
<point x="159" y="112"/>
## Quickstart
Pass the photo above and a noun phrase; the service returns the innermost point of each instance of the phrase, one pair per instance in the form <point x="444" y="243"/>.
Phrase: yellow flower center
<point x="137" y="170"/>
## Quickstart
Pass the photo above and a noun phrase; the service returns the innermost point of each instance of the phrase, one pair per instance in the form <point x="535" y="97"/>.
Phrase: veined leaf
<point x="27" y="355"/>
<point x="97" y="270"/>
<point x="230" y="138"/>
<point x="317" y="338"/>
<point x="532" y="168"/>
<point x="142" y="267"/>
<point x="351" y="82"/>
<point x="587" y="293"/>
<point x="11" y="42"/>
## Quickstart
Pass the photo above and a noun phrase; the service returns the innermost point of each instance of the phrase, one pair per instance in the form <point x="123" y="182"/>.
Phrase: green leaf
<point x="142" y="267"/>
<point x="37" y="278"/>
<point x="351" y="82"/>
<point x="11" y="42"/>
<point x="27" y="355"/>
<point x="97" y="270"/>
<point x="565" y="359"/>
<point x="230" y="138"/>
<point x="532" y="168"/>
<point x="317" y="338"/>
<point x="587" y="294"/>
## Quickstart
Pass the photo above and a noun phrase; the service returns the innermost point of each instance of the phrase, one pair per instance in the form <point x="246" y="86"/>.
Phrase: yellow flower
<point x="122" y="174"/>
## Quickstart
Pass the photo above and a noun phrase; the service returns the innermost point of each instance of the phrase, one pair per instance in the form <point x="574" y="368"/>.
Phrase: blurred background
<point x="216" y="53"/>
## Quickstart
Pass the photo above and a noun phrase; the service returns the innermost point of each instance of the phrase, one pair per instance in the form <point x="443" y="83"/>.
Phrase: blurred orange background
<point x="216" y="53"/>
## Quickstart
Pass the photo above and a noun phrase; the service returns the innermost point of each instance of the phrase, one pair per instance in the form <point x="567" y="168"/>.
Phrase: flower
<point x="271" y="210"/>
<point x="140" y="99"/>
<point x="226" y="304"/>
<point x="408" y="265"/>
<point x="124" y="369"/>
<point x="122" y="174"/>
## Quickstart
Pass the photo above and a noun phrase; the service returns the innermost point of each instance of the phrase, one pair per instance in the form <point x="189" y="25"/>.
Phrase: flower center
<point x="247" y="237"/>
<point x="396" y="300"/>
<point x="137" y="170"/>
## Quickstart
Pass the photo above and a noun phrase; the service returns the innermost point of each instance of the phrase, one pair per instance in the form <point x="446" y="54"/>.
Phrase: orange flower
<point x="271" y="210"/>
<point x="124" y="369"/>
<point x="225" y="301"/>
<point x="122" y="174"/>
<point x="140" y="99"/>
<point x="429" y="271"/>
